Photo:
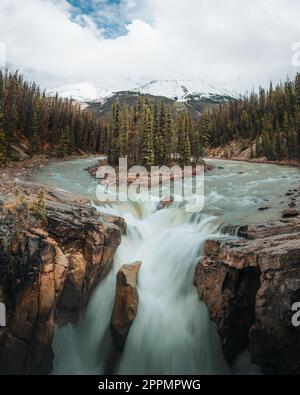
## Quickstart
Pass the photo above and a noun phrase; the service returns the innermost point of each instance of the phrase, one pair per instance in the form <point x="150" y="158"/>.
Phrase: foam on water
<point x="172" y="332"/>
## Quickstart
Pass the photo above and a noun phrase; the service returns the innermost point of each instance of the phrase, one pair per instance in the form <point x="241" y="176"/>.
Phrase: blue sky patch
<point x="111" y="16"/>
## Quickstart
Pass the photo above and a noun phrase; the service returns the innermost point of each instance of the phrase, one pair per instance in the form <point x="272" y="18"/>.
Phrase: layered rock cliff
<point x="249" y="286"/>
<point x="50" y="263"/>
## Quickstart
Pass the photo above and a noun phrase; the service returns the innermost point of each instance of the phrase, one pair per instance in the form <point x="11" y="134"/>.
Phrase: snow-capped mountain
<point x="184" y="89"/>
<point x="180" y="90"/>
<point x="81" y="92"/>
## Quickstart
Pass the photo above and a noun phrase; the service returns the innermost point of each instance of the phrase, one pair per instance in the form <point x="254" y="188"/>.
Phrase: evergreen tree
<point x="184" y="147"/>
<point x="160" y="151"/>
<point x="3" y="142"/>
<point x="123" y="141"/>
<point x="169" y="137"/>
<point x="297" y="89"/>
<point x="34" y="135"/>
<point x="114" y="150"/>
<point x="64" y="144"/>
<point x="147" y="141"/>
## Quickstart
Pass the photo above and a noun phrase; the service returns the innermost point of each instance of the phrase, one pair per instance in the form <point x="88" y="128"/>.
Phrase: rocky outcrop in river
<point x="51" y="261"/>
<point x="249" y="286"/>
<point x="126" y="303"/>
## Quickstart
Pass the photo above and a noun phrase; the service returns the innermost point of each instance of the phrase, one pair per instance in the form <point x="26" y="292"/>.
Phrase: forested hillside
<point x="268" y="122"/>
<point x="40" y="124"/>
<point x="147" y="132"/>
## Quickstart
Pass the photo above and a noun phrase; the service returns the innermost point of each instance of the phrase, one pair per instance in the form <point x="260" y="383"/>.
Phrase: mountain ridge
<point x="180" y="90"/>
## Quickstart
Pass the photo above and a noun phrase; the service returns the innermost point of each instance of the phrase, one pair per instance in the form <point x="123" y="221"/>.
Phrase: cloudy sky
<point x="111" y="43"/>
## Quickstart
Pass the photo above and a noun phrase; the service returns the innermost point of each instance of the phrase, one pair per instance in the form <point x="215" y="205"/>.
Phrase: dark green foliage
<point x="183" y="144"/>
<point x="268" y="120"/>
<point x="3" y="142"/>
<point x="150" y="135"/>
<point x="49" y="124"/>
<point x="115" y="129"/>
<point x="148" y="157"/>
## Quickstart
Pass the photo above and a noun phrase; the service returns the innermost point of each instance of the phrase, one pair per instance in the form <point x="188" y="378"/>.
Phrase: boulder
<point x="165" y="203"/>
<point x="289" y="213"/>
<point x="126" y="303"/>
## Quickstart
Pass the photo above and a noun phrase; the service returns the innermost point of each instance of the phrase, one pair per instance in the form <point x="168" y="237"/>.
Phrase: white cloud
<point x="240" y="43"/>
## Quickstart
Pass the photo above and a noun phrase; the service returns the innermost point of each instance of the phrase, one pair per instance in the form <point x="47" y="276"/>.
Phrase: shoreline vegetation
<point x="236" y="151"/>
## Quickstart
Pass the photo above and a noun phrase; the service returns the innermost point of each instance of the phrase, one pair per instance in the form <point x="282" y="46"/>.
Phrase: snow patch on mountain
<point x="173" y="89"/>
<point x="182" y="89"/>
<point x="81" y="92"/>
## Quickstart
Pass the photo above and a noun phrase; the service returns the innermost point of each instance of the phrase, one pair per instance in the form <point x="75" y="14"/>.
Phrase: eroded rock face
<point x="47" y="274"/>
<point x="30" y="290"/>
<point x="284" y="226"/>
<point x="89" y="242"/>
<point x="229" y="294"/>
<point x="126" y="303"/>
<point x="249" y="287"/>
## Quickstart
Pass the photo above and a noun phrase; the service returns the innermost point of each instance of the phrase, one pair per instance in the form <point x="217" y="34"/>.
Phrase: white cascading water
<point x="172" y="332"/>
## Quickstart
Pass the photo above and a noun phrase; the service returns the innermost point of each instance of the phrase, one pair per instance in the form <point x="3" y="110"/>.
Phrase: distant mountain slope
<point x="194" y="104"/>
<point x="179" y="90"/>
<point x="182" y="90"/>
<point x="195" y="95"/>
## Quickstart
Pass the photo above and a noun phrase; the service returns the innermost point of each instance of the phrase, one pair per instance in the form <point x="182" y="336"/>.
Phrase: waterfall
<point x="172" y="332"/>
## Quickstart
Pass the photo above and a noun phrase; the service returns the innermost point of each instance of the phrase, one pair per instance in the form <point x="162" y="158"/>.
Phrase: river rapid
<point x="172" y="332"/>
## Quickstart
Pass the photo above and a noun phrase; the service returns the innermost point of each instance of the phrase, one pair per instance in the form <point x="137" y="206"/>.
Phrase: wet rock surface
<point x="49" y="268"/>
<point x="249" y="286"/>
<point x="126" y="303"/>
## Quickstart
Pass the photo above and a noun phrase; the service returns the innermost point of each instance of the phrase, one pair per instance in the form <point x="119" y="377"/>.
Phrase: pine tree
<point x="159" y="138"/>
<point x="34" y="135"/>
<point x="286" y="130"/>
<point x="169" y="136"/>
<point x="11" y="117"/>
<point x="297" y="125"/>
<point x="64" y="145"/>
<point x="3" y="142"/>
<point x="123" y="140"/>
<point x="297" y="89"/>
<point x="147" y="141"/>
<point x="183" y="146"/>
<point x="114" y="149"/>
<point x="278" y="147"/>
